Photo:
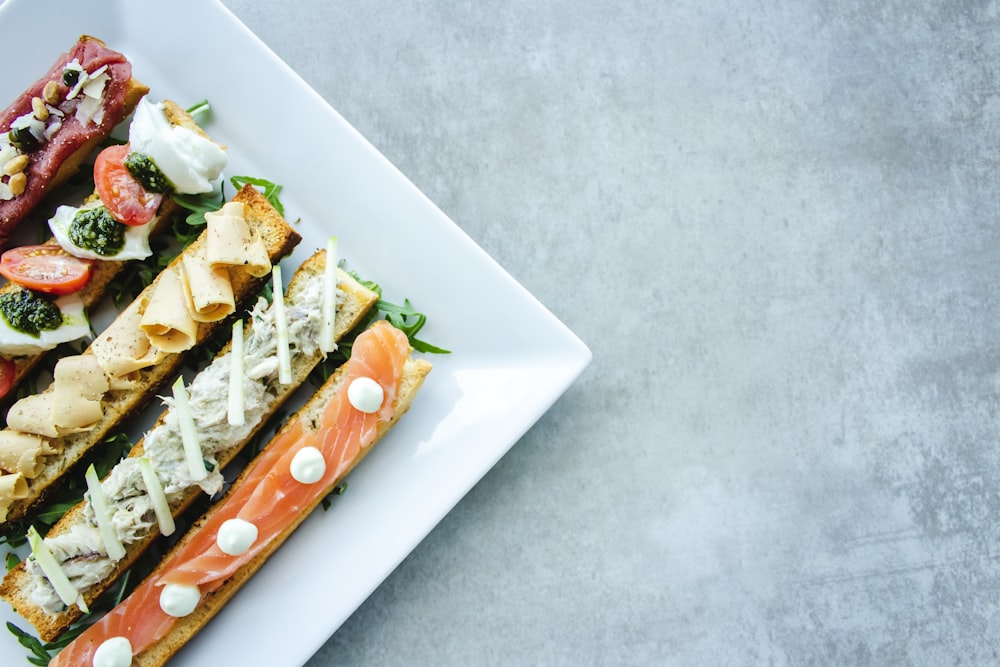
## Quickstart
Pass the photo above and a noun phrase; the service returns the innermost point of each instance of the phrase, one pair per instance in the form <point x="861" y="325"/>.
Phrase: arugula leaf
<point x="11" y="560"/>
<point x="404" y="317"/>
<point x="40" y="656"/>
<point x="410" y="322"/>
<point x="54" y="512"/>
<point x="271" y="189"/>
<point x="129" y="282"/>
<point x="123" y="587"/>
<point x="199" y="205"/>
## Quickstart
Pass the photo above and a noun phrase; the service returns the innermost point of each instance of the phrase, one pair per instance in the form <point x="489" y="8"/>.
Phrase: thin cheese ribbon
<point x="167" y="321"/>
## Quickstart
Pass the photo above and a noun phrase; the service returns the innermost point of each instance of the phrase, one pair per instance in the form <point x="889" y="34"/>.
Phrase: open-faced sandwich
<point x="47" y="132"/>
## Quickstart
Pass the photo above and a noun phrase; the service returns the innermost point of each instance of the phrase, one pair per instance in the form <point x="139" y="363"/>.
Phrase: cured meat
<point x="73" y="139"/>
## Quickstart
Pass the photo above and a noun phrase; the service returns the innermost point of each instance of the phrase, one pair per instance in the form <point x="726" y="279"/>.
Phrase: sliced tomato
<point x="7" y="371"/>
<point x="45" y="268"/>
<point x="123" y="196"/>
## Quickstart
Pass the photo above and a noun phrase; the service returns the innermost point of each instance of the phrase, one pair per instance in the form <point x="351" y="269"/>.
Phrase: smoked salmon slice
<point x="266" y="494"/>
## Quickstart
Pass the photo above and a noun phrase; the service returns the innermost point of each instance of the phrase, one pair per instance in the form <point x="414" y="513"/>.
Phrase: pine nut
<point x="17" y="183"/>
<point x="38" y="107"/>
<point x="51" y="93"/>
<point x="15" y="165"/>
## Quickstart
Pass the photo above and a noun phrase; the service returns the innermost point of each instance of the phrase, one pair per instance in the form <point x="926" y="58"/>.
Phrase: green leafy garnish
<point x="270" y="189"/>
<point x="127" y="284"/>
<point x="39" y="654"/>
<point x="410" y="322"/>
<point x="199" y="205"/>
<point x="404" y="318"/>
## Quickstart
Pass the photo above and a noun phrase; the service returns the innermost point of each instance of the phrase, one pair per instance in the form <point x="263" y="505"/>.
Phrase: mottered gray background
<point x="775" y="225"/>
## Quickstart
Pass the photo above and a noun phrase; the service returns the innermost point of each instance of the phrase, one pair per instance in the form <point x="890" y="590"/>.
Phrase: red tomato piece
<point x="123" y="196"/>
<point x="45" y="268"/>
<point x="6" y="375"/>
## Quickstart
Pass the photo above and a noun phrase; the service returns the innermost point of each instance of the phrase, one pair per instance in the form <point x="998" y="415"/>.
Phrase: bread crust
<point x="16" y="586"/>
<point x="279" y="239"/>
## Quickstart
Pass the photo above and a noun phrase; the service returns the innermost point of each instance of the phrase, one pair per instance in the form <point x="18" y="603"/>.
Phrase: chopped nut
<point x="15" y="165"/>
<point x="51" y="92"/>
<point x="39" y="108"/>
<point x="17" y="183"/>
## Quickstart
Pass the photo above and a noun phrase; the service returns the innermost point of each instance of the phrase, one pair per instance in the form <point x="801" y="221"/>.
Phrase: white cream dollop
<point x="189" y="160"/>
<point x="178" y="600"/>
<point x="308" y="465"/>
<point x="74" y="327"/>
<point x="365" y="394"/>
<point x="236" y="536"/>
<point x="113" y="652"/>
<point x="136" y="236"/>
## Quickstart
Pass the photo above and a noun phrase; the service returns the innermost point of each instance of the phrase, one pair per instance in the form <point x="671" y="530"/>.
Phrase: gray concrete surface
<point x="775" y="224"/>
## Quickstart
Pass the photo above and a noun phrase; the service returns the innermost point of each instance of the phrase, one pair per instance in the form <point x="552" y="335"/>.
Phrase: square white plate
<point x="511" y="359"/>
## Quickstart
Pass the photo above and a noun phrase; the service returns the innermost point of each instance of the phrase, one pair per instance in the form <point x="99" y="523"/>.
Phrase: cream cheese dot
<point x="308" y="465"/>
<point x="178" y="600"/>
<point x="236" y="536"/>
<point x="113" y="652"/>
<point x="365" y="394"/>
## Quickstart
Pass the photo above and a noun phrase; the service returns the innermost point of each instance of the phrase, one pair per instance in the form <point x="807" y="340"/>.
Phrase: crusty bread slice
<point x="105" y="271"/>
<point x="279" y="239"/>
<point x="16" y="586"/>
<point x="414" y="373"/>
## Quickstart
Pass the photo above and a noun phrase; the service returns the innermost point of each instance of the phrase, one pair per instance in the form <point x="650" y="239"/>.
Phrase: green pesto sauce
<point x="96" y="229"/>
<point x="29" y="312"/>
<point x="144" y="170"/>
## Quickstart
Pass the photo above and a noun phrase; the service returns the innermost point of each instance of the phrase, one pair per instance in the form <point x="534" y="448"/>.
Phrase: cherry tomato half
<point x="7" y="371"/>
<point x="124" y="197"/>
<point x="45" y="268"/>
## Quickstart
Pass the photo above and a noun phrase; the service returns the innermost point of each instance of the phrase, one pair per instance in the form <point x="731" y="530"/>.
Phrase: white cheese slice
<point x="33" y="414"/>
<point x="12" y="487"/>
<point x="230" y="242"/>
<point x="21" y="452"/>
<point x="75" y="326"/>
<point x="209" y="292"/>
<point x="123" y="348"/>
<point x="166" y="320"/>
<point x="136" y="237"/>
<point x="72" y="412"/>
<point x="83" y="373"/>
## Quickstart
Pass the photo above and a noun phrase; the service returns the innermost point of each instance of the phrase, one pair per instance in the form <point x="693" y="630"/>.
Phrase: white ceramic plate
<point x="511" y="358"/>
